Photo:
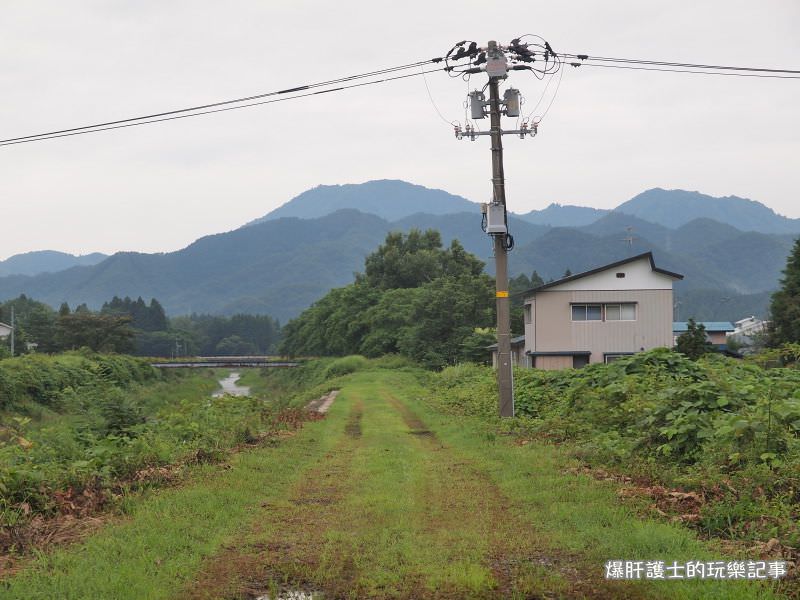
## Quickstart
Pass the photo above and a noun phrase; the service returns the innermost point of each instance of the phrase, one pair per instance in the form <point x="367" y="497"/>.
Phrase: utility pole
<point x="504" y="366"/>
<point x="13" y="329"/>
<point x="493" y="61"/>
<point x="496" y="61"/>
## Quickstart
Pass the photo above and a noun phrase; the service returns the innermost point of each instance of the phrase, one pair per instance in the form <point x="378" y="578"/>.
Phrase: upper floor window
<point x="621" y="312"/>
<point x="624" y="311"/>
<point x="587" y="312"/>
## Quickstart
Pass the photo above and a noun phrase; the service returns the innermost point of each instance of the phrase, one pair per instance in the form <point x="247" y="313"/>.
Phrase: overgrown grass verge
<point x="158" y="548"/>
<point x="724" y="432"/>
<point x="85" y="431"/>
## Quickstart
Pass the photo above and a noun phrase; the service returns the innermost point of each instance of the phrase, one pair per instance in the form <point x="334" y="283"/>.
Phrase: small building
<point x="5" y="330"/>
<point x="518" y="356"/>
<point x="749" y="326"/>
<point x="600" y="315"/>
<point x="716" y="331"/>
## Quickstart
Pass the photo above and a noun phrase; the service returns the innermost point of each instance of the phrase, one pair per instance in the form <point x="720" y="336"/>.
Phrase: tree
<point x="693" y="342"/>
<point x="785" y="307"/>
<point x="101" y="333"/>
<point x="415" y="298"/>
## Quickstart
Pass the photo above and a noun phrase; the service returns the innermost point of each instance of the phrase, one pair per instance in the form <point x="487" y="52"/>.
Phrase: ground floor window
<point x="610" y="357"/>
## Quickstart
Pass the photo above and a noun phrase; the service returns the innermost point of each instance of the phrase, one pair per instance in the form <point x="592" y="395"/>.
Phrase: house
<point x="716" y="331"/>
<point x="518" y="357"/>
<point x="599" y="315"/>
<point x="5" y="330"/>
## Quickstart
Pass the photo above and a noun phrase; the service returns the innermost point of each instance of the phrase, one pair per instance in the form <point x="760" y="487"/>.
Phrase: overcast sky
<point x="609" y="135"/>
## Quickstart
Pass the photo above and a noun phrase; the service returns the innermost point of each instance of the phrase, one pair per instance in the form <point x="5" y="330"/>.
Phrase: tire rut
<point x="516" y="556"/>
<point x="284" y="543"/>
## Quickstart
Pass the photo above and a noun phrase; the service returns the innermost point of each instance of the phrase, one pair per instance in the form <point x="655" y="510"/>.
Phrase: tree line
<point x="128" y="326"/>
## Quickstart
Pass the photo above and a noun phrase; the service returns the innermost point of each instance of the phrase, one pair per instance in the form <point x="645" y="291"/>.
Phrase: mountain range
<point x="279" y="264"/>
<point x="46" y="261"/>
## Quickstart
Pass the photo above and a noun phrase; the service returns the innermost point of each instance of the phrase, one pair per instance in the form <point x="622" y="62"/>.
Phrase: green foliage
<point x="698" y="422"/>
<point x="785" y="307"/>
<point x="208" y="335"/>
<point x="415" y="299"/>
<point x="345" y="365"/>
<point x="693" y="342"/>
<point x="143" y="317"/>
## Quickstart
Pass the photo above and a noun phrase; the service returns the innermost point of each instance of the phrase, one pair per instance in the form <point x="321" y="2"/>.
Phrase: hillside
<point x="46" y="261"/>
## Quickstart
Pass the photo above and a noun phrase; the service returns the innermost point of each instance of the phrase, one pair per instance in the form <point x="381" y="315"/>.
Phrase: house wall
<point x="638" y="275"/>
<point x="552" y="330"/>
<point x="717" y="337"/>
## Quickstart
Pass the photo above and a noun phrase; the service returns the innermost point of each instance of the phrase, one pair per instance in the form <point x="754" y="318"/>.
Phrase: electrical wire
<point x="30" y="139"/>
<point x="697" y="72"/>
<point x="235" y="101"/>
<point x="678" y="64"/>
<point x="452" y="123"/>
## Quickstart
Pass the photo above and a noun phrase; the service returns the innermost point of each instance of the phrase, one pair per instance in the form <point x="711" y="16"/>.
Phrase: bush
<point x="345" y="365"/>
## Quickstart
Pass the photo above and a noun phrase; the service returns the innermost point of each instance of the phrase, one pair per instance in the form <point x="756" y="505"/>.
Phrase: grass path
<point x="384" y="498"/>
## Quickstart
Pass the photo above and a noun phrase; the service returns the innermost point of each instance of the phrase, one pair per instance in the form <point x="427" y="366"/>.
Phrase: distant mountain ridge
<point x="390" y="199"/>
<point x="673" y="208"/>
<point x="280" y="265"/>
<point x="46" y="261"/>
<point x="393" y="199"/>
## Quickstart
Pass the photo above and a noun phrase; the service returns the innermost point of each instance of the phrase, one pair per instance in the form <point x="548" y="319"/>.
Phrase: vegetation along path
<point x="383" y="498"/>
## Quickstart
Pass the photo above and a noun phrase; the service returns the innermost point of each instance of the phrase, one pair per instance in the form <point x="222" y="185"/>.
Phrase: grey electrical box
<point x="511" y="100"/>
<point x="496" y="219"/>
<point x="476" y="103"/>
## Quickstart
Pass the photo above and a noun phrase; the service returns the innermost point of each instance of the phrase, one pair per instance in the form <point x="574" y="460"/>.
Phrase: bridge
<point x="223" y="362"/>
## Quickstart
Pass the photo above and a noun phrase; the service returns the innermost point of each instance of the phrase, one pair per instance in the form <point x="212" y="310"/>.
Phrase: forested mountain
<point x="279" y="266"/>
<point x="46" y="261"/>
<point x="389" y="199"/>
<point x="673" y="208"/>
<point x="558" y="215"/>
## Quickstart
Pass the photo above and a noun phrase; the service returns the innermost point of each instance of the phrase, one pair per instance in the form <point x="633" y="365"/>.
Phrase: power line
<point x="679" y="67"/>
<point x="88" y="129"/>
<point x="50" y="134"/>
<point x="697" y="72"/>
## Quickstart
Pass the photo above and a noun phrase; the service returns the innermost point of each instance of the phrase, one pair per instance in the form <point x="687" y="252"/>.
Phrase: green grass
<point x="385" y="498"/>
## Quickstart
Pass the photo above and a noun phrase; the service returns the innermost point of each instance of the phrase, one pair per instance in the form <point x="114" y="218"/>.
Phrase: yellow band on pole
<point x="501" y="294"/>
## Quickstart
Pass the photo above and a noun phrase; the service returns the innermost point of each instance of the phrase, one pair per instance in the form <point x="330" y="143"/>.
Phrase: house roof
<point x="515" y="341"/>
<point x="4" y="325"/>
<point x="625" y="261"/>
<point x="717" y="326"/>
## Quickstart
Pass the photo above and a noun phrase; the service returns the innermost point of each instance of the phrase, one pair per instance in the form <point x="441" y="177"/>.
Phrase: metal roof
<point x="709" y="326"/>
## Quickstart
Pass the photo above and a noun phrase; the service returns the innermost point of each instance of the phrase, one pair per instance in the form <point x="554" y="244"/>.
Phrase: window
<point x="621" y="312"/>
<point x="609" y="358"/>
<point x="624" y="311"/>
<point x="587" y="312"/>
<point x="528" y="313"/>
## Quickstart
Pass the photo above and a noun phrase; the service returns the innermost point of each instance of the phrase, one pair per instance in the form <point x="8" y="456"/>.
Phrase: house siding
<point x="552" y="329"/>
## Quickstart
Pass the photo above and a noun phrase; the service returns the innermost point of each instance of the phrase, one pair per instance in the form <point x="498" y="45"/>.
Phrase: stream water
<point x="229" y="386"/>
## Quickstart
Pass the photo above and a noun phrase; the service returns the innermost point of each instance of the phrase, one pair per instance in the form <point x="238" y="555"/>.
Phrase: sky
<point x="609" y="134"/>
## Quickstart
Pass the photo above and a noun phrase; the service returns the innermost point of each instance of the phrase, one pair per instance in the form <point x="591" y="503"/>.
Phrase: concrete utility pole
<point x="504" y="366"/>
<point x="495" y="214"/>
<point x="13" y="329"/>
